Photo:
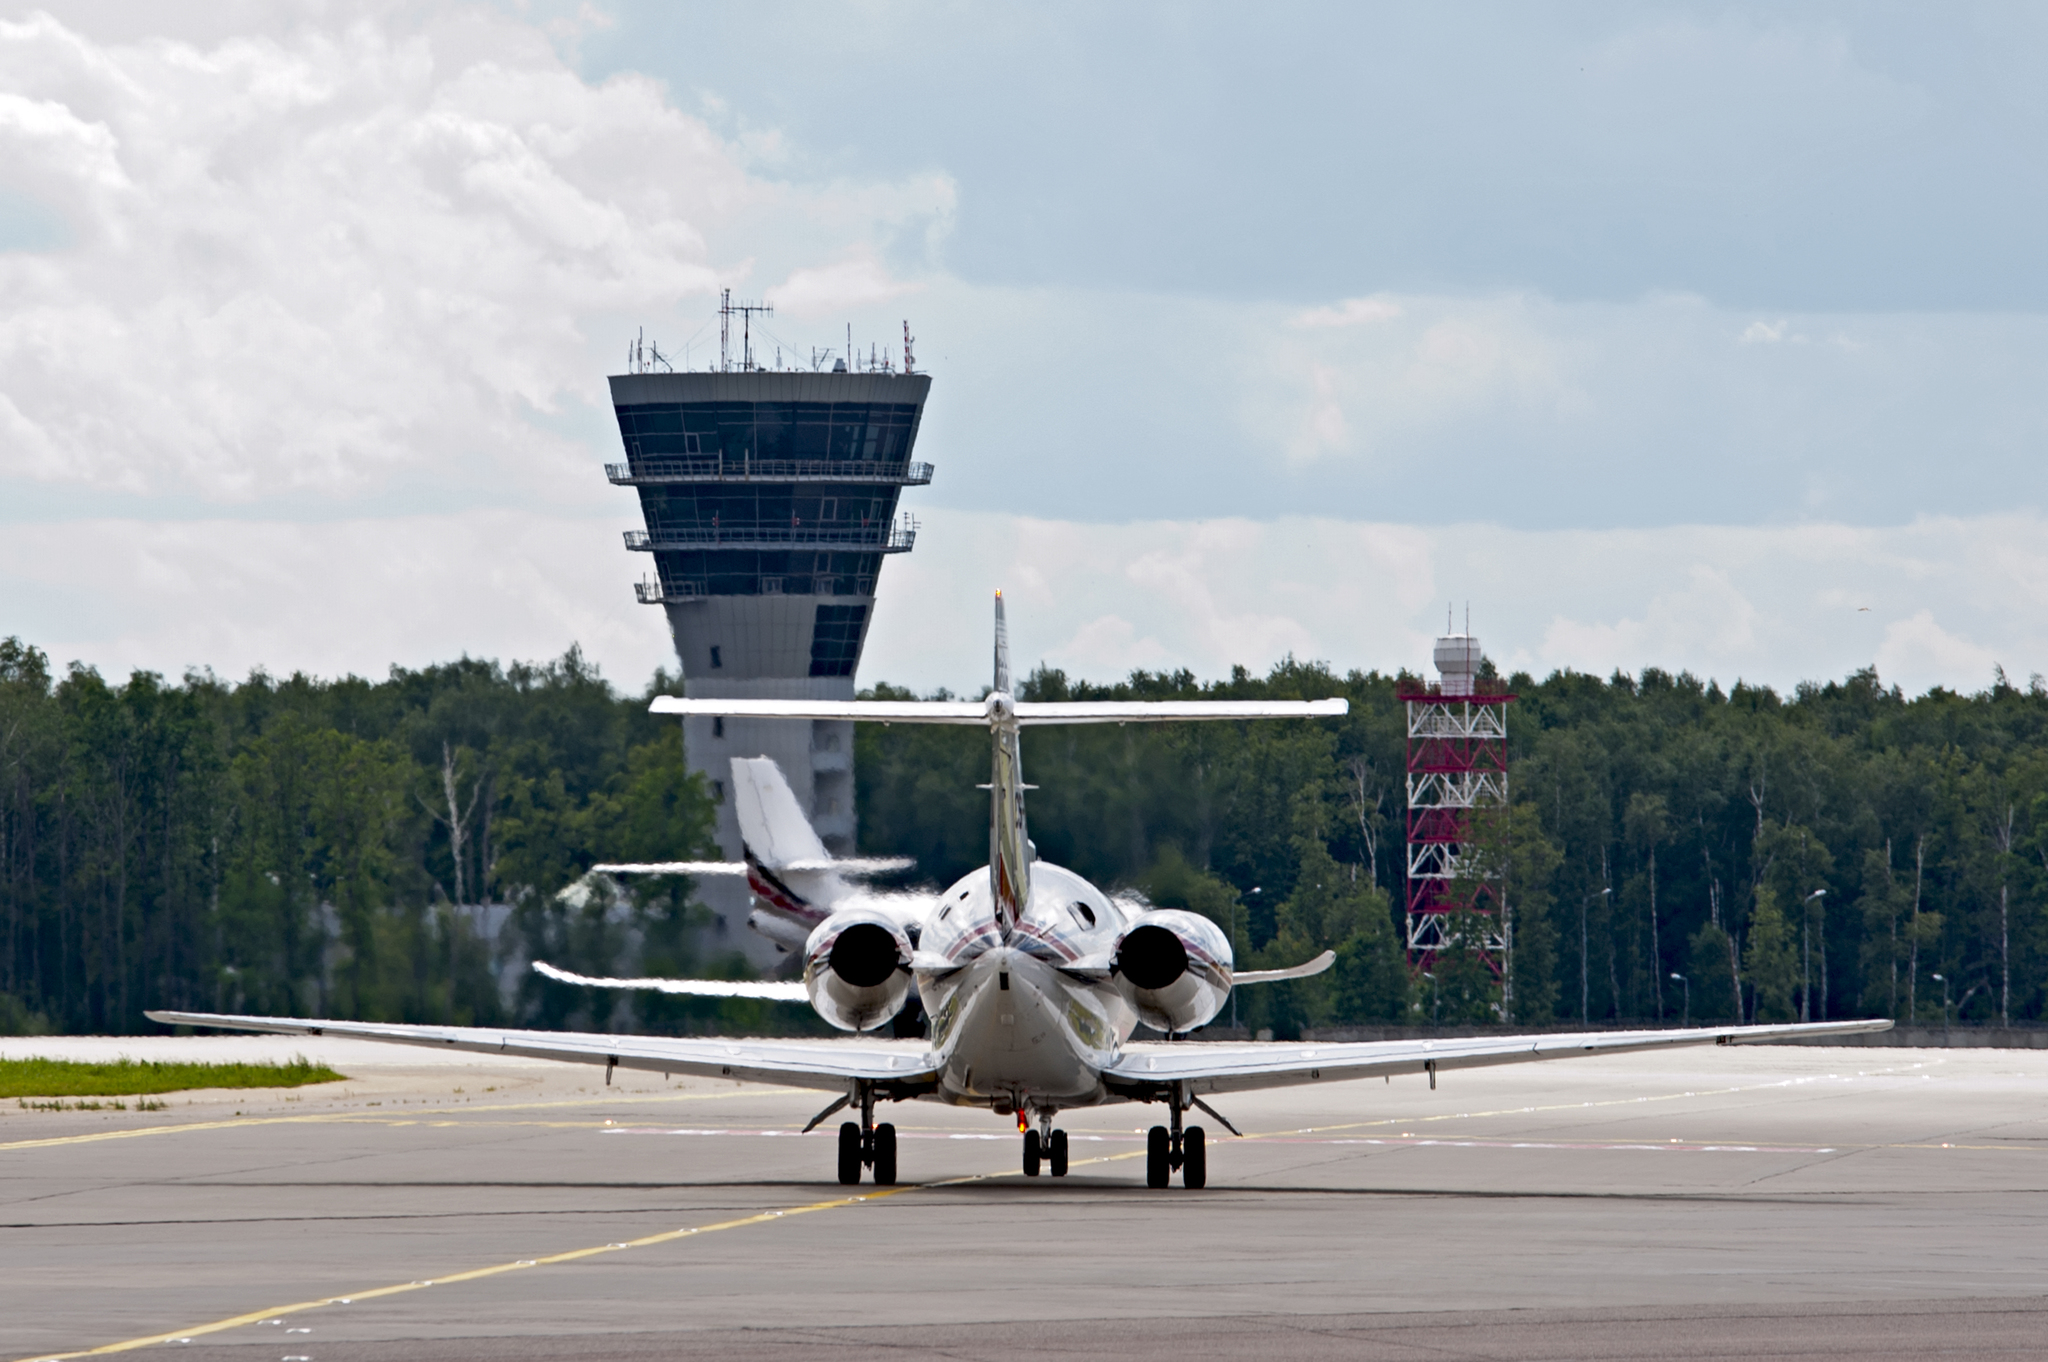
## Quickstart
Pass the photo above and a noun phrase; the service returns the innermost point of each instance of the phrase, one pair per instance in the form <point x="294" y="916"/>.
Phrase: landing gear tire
<point x="1194" y="1159"/>
<point x="1158" y="1157"/>
<point x="885" y="1155"/>
<point x="849" y="1153"/>
<point x="1032" y="1153"/>
<point x="1057" y="1155"/>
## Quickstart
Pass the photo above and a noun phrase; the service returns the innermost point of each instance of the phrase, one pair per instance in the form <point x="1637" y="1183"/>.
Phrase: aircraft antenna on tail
<point x="1002" y="672"/>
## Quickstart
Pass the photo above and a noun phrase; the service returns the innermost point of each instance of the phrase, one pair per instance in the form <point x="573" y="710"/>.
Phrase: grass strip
<point x="37" y="1077"/>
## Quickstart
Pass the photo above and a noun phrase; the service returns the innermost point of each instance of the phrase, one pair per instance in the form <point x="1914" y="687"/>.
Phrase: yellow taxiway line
<point x="187" y="1334"/>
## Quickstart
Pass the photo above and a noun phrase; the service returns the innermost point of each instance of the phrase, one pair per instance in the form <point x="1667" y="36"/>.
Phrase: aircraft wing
<point x="1147" y="1069"/>
<point x="830" y="1065"/>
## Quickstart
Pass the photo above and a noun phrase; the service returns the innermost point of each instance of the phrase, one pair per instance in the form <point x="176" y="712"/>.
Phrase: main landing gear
<point x="1166" y="1150"/>
<point x="863" y="1144"/>
<point x="1045" y="1145"/>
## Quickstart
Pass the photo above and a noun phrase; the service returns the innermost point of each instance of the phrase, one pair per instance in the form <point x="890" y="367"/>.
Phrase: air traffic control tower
<point x="770" y="504"/>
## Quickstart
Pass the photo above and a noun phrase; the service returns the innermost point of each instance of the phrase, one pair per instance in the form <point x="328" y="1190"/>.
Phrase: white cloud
<point x="339" y="258"/>
<point x="1920" y="647"/>
<point x="367" y="273"/>
<point x="1773" y="605"/>
<point x="1948" y="598"/>
<point x="330" y="598"/>
<point x="836" y="289"/>
<point x="1350" y="312"/>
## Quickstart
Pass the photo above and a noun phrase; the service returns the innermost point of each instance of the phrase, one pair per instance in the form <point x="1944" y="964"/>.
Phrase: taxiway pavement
<point x="1787" y="1201"/>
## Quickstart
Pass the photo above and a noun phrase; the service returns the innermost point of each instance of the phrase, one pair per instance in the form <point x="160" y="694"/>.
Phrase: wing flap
<point x="1236" y="1067"/>
<point x="800" y="1064"/>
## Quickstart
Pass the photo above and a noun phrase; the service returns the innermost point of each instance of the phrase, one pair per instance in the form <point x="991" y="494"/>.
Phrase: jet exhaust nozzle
<point x="857" y="968"/>
<point x="1174" y="968"/>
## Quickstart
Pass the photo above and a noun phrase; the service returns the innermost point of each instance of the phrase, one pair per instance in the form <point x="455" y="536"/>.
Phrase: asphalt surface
<point x="1780" y="1202"/>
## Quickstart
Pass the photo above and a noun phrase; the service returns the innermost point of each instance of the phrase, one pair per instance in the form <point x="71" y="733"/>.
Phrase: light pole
<point x="1806" y="954"/>
<point x="1688" y="998"/>
<point x="1585" y="987"/>
<point x="1944" y="1005"/>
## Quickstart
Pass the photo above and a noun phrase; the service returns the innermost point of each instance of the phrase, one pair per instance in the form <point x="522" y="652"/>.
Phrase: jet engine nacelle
<point x="1174" y="968"/>
<point x="857" y="968"/>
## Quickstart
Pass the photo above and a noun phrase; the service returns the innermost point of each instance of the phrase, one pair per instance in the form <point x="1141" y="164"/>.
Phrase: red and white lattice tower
<point x="1457" y="763"/>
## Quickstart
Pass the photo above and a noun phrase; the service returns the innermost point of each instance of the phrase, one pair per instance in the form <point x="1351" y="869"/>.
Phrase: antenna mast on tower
<point x="727" y="310"/>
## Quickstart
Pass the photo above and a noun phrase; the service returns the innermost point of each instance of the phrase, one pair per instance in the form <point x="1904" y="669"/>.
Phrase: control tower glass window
<point x="835" y="639"/>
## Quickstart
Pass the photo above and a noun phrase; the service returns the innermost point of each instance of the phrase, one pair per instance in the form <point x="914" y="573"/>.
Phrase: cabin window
<point x="718" y="726"/>
<point x="1087" y="913"/>
<point x="716" y="660"/>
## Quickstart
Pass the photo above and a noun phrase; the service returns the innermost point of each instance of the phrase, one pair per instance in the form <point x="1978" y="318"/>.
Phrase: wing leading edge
<point x="899" y="1070"/>
<point x="1232" y="1067"/>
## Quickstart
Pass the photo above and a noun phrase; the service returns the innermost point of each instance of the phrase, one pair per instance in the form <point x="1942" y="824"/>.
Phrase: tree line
<point x="1671" y="849"/>
<point x="394" y="849"/>
<point x="333" y="848"/>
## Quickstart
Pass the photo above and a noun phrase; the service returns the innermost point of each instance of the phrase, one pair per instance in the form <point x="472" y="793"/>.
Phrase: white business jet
<point x="1034" y="980"/>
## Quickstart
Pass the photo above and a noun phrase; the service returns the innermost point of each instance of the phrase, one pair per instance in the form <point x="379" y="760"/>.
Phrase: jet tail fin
<point x="771" y="823"/>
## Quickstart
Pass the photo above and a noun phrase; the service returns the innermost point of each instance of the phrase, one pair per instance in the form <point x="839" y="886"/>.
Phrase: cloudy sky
<point x="1694" y="336"/>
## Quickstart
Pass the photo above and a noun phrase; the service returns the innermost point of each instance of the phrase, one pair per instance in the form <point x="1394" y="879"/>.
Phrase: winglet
<point x="1301" y="971"/>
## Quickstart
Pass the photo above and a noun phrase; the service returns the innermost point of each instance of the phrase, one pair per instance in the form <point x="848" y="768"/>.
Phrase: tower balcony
<point x="897" y="538"/>
<point x="652" y="592"/>
<point x="669" y="470"/>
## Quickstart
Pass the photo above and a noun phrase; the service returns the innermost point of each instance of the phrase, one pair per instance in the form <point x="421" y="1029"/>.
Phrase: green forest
<point x="382" y="849"/>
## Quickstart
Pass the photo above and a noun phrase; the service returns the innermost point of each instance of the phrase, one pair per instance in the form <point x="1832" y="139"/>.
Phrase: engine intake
<point x="857" y="968"/>
<point x="1174" y="969"/>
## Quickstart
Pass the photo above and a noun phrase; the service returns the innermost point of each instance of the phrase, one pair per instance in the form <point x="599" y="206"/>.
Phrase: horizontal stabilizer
<point x="1274" y="976"/>
<point x="671" y="868"/>
<point x="852" y="865"/>
<point x="1173" y="711"/>
<point x="771" y="990"/>
<point x="1030" y="713"/>
<point x="882" y="711"/>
